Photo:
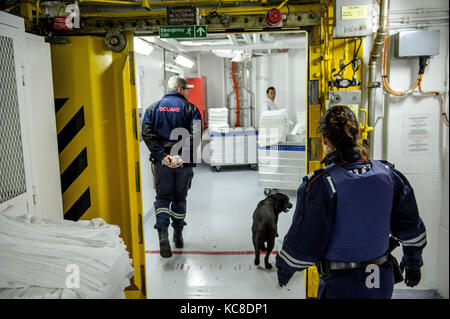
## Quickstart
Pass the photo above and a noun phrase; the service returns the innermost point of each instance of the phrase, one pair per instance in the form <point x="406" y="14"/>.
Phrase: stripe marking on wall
<point x="68" y="133"/>
<point x="79" y="207"/>
<point x="74" y="170"/>
<point x="59" y="103"/>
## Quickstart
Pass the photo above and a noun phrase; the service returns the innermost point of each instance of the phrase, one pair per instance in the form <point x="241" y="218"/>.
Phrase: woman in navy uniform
<point x="347" y="215"/>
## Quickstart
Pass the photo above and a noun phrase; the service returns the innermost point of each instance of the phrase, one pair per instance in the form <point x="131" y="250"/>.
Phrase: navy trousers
<point x="351" y="284"/>
<point x="172" y="185"/>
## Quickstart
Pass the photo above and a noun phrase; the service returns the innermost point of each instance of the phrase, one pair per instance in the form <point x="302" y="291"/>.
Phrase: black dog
<point x="264" y="228"/>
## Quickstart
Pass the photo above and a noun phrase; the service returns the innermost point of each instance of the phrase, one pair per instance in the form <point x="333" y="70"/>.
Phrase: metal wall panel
<point x="12" y="169"/>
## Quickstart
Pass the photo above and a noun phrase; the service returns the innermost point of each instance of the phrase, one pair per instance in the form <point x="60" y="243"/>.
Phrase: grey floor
<point x="217" y="260"/>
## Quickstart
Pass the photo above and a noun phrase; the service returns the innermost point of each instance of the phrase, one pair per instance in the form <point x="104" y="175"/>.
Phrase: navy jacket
<point x="309" y="236"/>
<point x="172" y="112"/>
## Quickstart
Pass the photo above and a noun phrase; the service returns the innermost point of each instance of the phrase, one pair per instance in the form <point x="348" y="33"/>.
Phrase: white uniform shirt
<point x="270" y="105"/>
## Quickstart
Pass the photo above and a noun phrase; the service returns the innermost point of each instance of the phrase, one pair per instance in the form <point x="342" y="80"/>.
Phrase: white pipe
<point x="267" y="37"/>
<point x="247" y="38"/>
<point x="411" y="19"/>
<point x="176" y="44"/>
<point x="233" y="39"/>
<point x="418" y="11"/>
<point x="417" y="25"/>
<point x="256" y="38"/>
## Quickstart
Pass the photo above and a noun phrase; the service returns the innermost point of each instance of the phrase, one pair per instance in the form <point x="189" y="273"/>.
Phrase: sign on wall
<point x="183" y="31"/>
<point x="182" y="15"/>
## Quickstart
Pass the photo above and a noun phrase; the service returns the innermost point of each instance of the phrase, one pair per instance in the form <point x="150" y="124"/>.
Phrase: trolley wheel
<point x="254" y="167"/>
<point x="216" y="168"/>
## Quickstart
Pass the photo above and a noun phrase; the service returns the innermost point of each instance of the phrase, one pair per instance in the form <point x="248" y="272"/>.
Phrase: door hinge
<point x="137" y="177"/>
<point x="131" y="66"/>
<point x="135" y="128"/>
<point x="140" y="229"/>
<point x="34" y="195"/>
<point x="23" y="75"/>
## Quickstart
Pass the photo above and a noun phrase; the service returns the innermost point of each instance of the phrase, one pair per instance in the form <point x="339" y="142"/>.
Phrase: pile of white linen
<point x="218" y="119"/>
<point x="298" y="133"/>
<point x="273" y="127"/>
<point x="42" y="258"/>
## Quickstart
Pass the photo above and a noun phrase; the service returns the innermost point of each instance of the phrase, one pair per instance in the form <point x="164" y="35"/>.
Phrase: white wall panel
<point x="427" y="171"/>
<point x="212" y="67"/>
<point x="150" y="88"/>
<point x="43" y="139"/>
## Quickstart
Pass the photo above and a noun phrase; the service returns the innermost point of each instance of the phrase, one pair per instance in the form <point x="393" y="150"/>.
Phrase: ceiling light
<point x="183" y="61"/>
<point x="142" y="47"/>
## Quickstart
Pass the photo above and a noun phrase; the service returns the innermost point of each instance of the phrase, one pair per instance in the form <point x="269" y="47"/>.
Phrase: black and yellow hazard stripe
<point x="78" y="164"/>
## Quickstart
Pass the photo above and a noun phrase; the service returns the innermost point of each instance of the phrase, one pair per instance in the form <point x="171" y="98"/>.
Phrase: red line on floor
<point x="194" y="252"/>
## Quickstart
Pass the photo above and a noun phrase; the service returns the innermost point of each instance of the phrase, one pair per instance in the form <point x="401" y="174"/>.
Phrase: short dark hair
<point x="269" y="88"/>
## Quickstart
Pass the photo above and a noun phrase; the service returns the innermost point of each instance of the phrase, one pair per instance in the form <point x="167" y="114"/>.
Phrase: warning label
<point x="417" y="129"/>
<point x="354" y="12"/>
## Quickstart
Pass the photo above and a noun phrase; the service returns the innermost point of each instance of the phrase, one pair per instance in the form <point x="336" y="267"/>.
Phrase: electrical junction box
<point x="351" y="99"/>
<point x="353" y="18"/>
<point x="416" y="43"/>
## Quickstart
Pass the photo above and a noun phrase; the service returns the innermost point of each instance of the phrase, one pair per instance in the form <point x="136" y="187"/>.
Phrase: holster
<point x="323" y="268"/>
<point x="398" y="275"/>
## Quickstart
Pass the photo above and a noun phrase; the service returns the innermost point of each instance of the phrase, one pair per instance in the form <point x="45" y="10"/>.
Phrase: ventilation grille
<point x="12" y="170"/>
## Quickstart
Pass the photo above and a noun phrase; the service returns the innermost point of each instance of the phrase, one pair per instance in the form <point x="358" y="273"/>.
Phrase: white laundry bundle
<point x="218" y="119"/>
<point x="42" y="258"/>
<point x="298" y="133"/>
<point x="273" y="127"/>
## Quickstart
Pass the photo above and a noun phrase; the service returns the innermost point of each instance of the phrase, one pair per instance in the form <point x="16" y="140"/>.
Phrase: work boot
<point x="178" y="239"/>
<point x="164" y="244"/>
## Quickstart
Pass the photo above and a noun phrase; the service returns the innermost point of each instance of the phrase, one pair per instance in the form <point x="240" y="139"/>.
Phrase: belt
<point x="341" y="265"/>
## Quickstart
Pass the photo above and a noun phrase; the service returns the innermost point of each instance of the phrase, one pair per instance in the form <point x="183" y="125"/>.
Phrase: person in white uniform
<point x="270" y="101"/>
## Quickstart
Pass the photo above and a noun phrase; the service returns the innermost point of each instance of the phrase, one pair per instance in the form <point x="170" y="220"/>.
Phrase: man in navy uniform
<point x="347" y="216"/>
<point x="168" y="129"/>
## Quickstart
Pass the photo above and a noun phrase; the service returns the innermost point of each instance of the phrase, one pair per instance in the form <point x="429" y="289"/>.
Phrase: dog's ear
<point x="277" y="202"/>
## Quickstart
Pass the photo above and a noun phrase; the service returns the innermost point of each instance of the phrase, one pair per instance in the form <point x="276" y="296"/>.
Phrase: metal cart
<point x="232" y="149"/>
<point x="281" y="166"/>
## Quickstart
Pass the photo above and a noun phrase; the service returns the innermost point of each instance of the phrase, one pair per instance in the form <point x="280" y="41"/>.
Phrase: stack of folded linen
<point x="42" y="258"/>
<point x="273" y="127"/>
<point x="298" y="133"/>
<point x="218" y="119"/>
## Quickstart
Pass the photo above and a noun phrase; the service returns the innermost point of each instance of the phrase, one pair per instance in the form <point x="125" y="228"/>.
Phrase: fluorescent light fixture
<point x="142" y="47"/>
<point x="183" y="61"/>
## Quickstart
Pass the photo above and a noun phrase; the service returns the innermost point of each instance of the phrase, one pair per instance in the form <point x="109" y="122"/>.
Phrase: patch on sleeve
<point x="330" y="181"/>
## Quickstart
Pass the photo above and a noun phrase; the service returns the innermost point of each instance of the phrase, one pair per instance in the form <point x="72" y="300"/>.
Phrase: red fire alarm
<point x="274" y="17"/>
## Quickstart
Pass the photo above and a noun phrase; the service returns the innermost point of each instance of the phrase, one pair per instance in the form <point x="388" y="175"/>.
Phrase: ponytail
<point x="340" y="126"/>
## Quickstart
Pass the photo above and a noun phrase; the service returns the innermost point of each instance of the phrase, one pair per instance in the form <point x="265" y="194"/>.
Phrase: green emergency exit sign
<point x="183" y="31"/>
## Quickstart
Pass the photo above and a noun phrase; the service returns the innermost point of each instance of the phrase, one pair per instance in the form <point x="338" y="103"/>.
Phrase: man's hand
<point x="284" y="275"/>
<point x="412" y="276"/>
<point x="172" y="162"/>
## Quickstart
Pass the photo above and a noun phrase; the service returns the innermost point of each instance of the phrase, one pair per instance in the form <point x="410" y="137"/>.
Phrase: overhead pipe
<point x="375" y="54"/>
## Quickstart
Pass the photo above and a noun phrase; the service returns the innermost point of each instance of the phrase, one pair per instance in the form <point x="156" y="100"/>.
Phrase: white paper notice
<point x="417" y="134"/>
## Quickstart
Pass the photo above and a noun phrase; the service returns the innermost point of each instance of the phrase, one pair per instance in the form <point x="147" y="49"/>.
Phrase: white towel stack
<point x="218" y="119"/>
<point x="41" y="258"/>
<point x="298" y="133"/>
<point x="273" y="127"/>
